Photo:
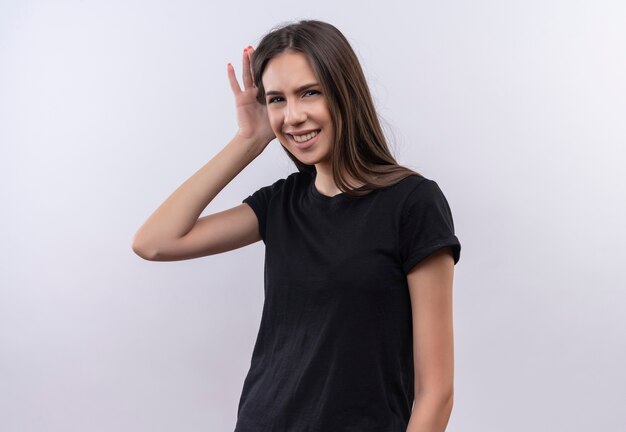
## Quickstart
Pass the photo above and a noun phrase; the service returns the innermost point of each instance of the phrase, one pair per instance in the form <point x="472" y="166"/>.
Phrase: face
<point x="296" y="108"/>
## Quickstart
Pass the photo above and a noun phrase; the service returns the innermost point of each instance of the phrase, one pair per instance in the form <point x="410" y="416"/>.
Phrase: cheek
<point x="322" y="113"/>
<point x="275" y="121"/>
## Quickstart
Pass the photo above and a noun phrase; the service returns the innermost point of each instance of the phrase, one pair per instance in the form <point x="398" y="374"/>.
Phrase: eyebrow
<point x="299" y="89"/>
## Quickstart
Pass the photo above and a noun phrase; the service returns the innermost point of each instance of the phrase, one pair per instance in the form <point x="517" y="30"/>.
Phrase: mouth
<point x="305" y="141"/>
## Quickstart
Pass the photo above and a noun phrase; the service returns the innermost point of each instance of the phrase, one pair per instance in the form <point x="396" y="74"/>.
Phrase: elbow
<point x="142" y="253"/>
<point x="437" y="401"/>
<point x="444" y="400"/>
<point x="431" y="412"/>
<point x="143" y="250"/>
<point x="447" y="397"/>
<point x="449" y="403"/>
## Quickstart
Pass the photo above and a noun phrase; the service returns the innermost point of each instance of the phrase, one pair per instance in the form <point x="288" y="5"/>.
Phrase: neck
<point x="325" y="183"/>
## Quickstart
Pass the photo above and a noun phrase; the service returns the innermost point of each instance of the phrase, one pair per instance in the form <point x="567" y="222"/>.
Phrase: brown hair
<point x="360" y="148"/>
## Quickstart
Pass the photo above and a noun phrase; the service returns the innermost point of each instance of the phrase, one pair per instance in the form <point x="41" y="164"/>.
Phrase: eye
<point x="278" y="98"/>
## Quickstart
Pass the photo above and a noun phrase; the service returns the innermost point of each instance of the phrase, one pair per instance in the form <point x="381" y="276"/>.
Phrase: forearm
<point x="177" y="215"/>
<point x="430" y="414"/>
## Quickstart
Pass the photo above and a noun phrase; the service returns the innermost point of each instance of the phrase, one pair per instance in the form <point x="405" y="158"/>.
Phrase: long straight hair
<point x="360" y="149"/>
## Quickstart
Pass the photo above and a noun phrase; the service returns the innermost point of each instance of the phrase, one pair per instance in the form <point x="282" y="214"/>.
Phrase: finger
<point x="250" y="53"/>
<point x="234" y="84"/>
<point x="247" y="76"/>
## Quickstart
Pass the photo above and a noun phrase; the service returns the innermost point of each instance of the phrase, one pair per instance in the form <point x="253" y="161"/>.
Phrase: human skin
<point x="292" y="109"/>
<point x="430" y="288"/>
<point x="176" y="232"/>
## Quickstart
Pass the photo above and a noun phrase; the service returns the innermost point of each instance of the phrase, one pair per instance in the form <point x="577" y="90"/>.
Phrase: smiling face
<point x="297" y="109"/>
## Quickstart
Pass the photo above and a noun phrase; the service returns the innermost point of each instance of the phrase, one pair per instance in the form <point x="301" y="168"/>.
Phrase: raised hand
<point x="251" y="115"/>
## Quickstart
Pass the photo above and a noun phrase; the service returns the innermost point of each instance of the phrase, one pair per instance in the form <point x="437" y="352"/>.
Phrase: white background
<point x="516" y="109"/>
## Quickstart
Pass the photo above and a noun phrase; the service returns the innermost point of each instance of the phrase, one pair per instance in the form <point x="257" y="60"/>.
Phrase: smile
<point x="304" y="138"/>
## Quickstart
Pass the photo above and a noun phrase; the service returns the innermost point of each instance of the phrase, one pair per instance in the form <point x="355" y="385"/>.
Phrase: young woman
<point x="356" y="331"/>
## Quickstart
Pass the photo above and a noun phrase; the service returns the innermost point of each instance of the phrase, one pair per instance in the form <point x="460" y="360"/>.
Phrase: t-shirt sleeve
<point x="259" y="201"/>
<point x="426" y="225"/>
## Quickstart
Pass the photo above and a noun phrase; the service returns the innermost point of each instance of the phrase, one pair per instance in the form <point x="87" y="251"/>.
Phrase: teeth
<point x="303" y="138"/>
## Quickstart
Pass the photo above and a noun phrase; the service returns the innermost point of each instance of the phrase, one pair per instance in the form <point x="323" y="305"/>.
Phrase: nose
<point x="294" y="114"/>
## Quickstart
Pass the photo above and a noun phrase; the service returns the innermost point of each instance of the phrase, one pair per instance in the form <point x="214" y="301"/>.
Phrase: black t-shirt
<point x="334" y="351"/>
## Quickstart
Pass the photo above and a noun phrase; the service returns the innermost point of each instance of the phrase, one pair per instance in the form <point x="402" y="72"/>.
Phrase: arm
<point x="173" y="231"/>
<point x="430" y="285"/>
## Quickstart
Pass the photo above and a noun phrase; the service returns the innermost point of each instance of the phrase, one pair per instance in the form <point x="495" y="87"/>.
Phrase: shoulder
<point x="291" y="182"/>
<point x="410" y="189"/>
<point x="418" y="194"/>
<point x="423" y="188"/>
<point x="426" y="222"/>
<point x="297" y="178"/>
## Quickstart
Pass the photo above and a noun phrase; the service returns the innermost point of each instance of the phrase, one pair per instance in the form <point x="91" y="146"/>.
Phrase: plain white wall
<point x="516" y="109"/>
